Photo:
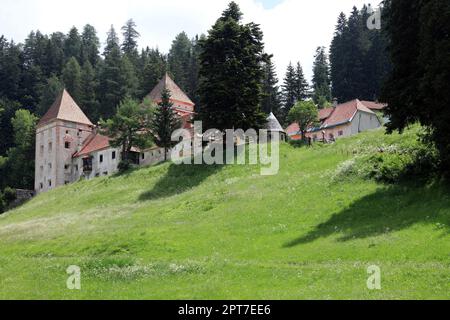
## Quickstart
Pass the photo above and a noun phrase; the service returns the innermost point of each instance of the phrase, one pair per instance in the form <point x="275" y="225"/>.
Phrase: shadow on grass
<point x="179" y="179"/>
<point x="391" y="209"/>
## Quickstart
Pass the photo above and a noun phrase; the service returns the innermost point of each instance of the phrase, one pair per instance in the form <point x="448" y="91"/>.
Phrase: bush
<point x="9" y="194"/>
<point x="408" y="161"/>
<point x="124" y="165"/>
<point x="298" y="143"/>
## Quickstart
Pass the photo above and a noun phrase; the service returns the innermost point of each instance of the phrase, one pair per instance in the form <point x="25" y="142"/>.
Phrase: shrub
<point x="124" y="165"/>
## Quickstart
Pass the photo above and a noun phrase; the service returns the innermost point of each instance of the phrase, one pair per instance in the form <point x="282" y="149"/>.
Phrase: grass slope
<point x="194" y="232"/>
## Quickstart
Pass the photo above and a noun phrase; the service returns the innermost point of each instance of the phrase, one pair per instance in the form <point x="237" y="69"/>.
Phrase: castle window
<point x="143" y="156"/>
<point x="66" y="167"/>
<point x="49" y="183"/>
<point x="50" y="166"/>
<point x="67" y="145"/>
<point x="113" y="155"/>
<point x="341" y="133"/>
<point x="67" y="131"/>
<point x="76" y="167"/>
<point x="41" y="185"/>
<point x="101" y="158"/>
<point x="42" y="150"/>
<point x="50" y="145"/>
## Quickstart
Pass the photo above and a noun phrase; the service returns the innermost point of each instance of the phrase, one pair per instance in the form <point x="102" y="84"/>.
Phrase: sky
<point x="293" y="29"/>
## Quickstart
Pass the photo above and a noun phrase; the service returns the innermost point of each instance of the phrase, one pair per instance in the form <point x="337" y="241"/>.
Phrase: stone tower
<point x="59" y="134"/>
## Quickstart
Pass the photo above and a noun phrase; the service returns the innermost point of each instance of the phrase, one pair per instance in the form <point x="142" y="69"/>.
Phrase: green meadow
<point x="227" y="232"/>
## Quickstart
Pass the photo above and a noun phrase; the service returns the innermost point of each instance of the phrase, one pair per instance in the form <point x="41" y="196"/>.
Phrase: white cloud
<point x="292" y="29"/>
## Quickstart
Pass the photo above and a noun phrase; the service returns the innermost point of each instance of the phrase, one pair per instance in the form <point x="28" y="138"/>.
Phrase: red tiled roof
<point x="294" y="128"/>
<point x="344" y="113"/>
<point x="176" y="94"/>
<point x="65" y="108"/>
<point x="94" y="142"/>
<point x="374" y="105"/>
<point x="325" y="113"/>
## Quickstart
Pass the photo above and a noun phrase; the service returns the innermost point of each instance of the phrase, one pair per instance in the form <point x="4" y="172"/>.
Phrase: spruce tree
<point x="321" y="78"/>
<point x="73" y="44"/>
<point x="89" y="85"/>
<point x="231" y="72"/>
<point x="271" y="101"/>
<point x="289" y="90"/>
<point x="301" y="84"/>
<point x="165" y="122"/>
<point x="130" y="45"/>
<point x="72" y="79"/>
<point x="89" y="45"/>
<point x="179" y="60"/>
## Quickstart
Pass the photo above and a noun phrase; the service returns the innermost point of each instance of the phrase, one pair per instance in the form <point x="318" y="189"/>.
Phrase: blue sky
<point x="293" y="29"/>
<point x="269" y="4"/>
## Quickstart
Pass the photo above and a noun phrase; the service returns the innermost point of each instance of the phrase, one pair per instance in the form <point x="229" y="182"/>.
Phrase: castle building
<point x="68" y="146"/>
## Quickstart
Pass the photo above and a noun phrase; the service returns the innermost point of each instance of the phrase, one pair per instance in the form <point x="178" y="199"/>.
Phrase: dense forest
<point x="32" y="73"/>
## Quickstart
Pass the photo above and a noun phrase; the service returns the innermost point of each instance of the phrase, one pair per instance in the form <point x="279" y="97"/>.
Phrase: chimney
<point x="335" y="102"/>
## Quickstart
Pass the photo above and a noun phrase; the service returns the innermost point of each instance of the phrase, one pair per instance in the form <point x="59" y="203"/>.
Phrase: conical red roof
<point x="65" y="108"/>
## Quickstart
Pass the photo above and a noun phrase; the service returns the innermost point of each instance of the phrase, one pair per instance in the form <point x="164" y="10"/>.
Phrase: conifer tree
<point x="89" y="45"/>
<point x="165" y="122"/>
<point x="271" y="92"/>
<point x="321" y="78"/>
<point x="49" y="93"/>
<point x="73" y="44"/>
<point x="72" y="79"/>
<point x="289" y="89"/>
<point x="179" y="60"/>
<point x="232" y="73"/>
<point x="301" y="85"/>
<point x="89" y="85"/>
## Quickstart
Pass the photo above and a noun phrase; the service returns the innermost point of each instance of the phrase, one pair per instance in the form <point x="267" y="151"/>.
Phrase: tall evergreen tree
<point x="153" y="70"/>
<point x="418" y="89"/>
<point x="301" y="84"/>
<point x="130" y="37"/>
<point x="271" y="101"/>
<point x="164" y="123"/>
<point x="289" y="90"/>
<point x="89" y="45"/>
<point x="179" y="60"/>
<point x="72" y="79"/>
<point x="89" y="84"/>
<point x="321" y="78"/>
<point x="73" y="44"/>
<point x="231" y="72"/>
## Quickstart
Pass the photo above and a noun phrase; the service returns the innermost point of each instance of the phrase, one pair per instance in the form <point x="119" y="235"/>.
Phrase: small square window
<point x="50" y="147"/>
<point x="143" y="156"/>
<point x="41" y="185"/>
<point x="113" y="155"/>
<point x="67" y="145"/>
<point x="76" y="167"/>
<point x="66" y="167"/>
<point x="101" y="158"/>
<point x="49" y="183"/>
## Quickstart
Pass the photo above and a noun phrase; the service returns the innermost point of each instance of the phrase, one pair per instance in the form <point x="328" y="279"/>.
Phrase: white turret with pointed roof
<point x="59" y="134"/>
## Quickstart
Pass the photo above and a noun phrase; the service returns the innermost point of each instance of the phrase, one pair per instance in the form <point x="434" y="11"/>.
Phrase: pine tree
<point x="179" y="60"/>
<point x="89" y="45"/>
<point x="231" y="72"/>
<point x="72" y="79"/>
<point x="289" y="90"/>
<point x="129" y="45"/>
<point x="55" y="53"/>
<point x="301" y="85"/>
<point x="321" y="78"/>
<point x="73" y="44"/>
<point x="112" y="41"/>
<point x="129" y="82"/>
<point x="164" y="123"/>
<point x="271" y="92"/>
<point x="89" y="84"/>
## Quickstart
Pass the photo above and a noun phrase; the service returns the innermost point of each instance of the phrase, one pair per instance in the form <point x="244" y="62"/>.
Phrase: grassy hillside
<point x="195" y="232"/>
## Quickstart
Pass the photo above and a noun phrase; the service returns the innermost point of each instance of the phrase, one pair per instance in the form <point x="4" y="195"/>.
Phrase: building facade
<point x="69" y="148"/>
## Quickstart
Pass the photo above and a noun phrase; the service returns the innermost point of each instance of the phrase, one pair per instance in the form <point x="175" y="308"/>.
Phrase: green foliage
<point x="129" y="127"/>
<point x="72" y="79"/>
<point x="49" y="93"/>
<point x="231" y="72"/>
<point x="225" y="232"/>
<point x="271" y="101"/>
<point x="418" y="88"/>
<point x="165" y="121"/>
<point x="321" y="76"/>
<point x="304" y="113"/>
<point x="179" y="60"/>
